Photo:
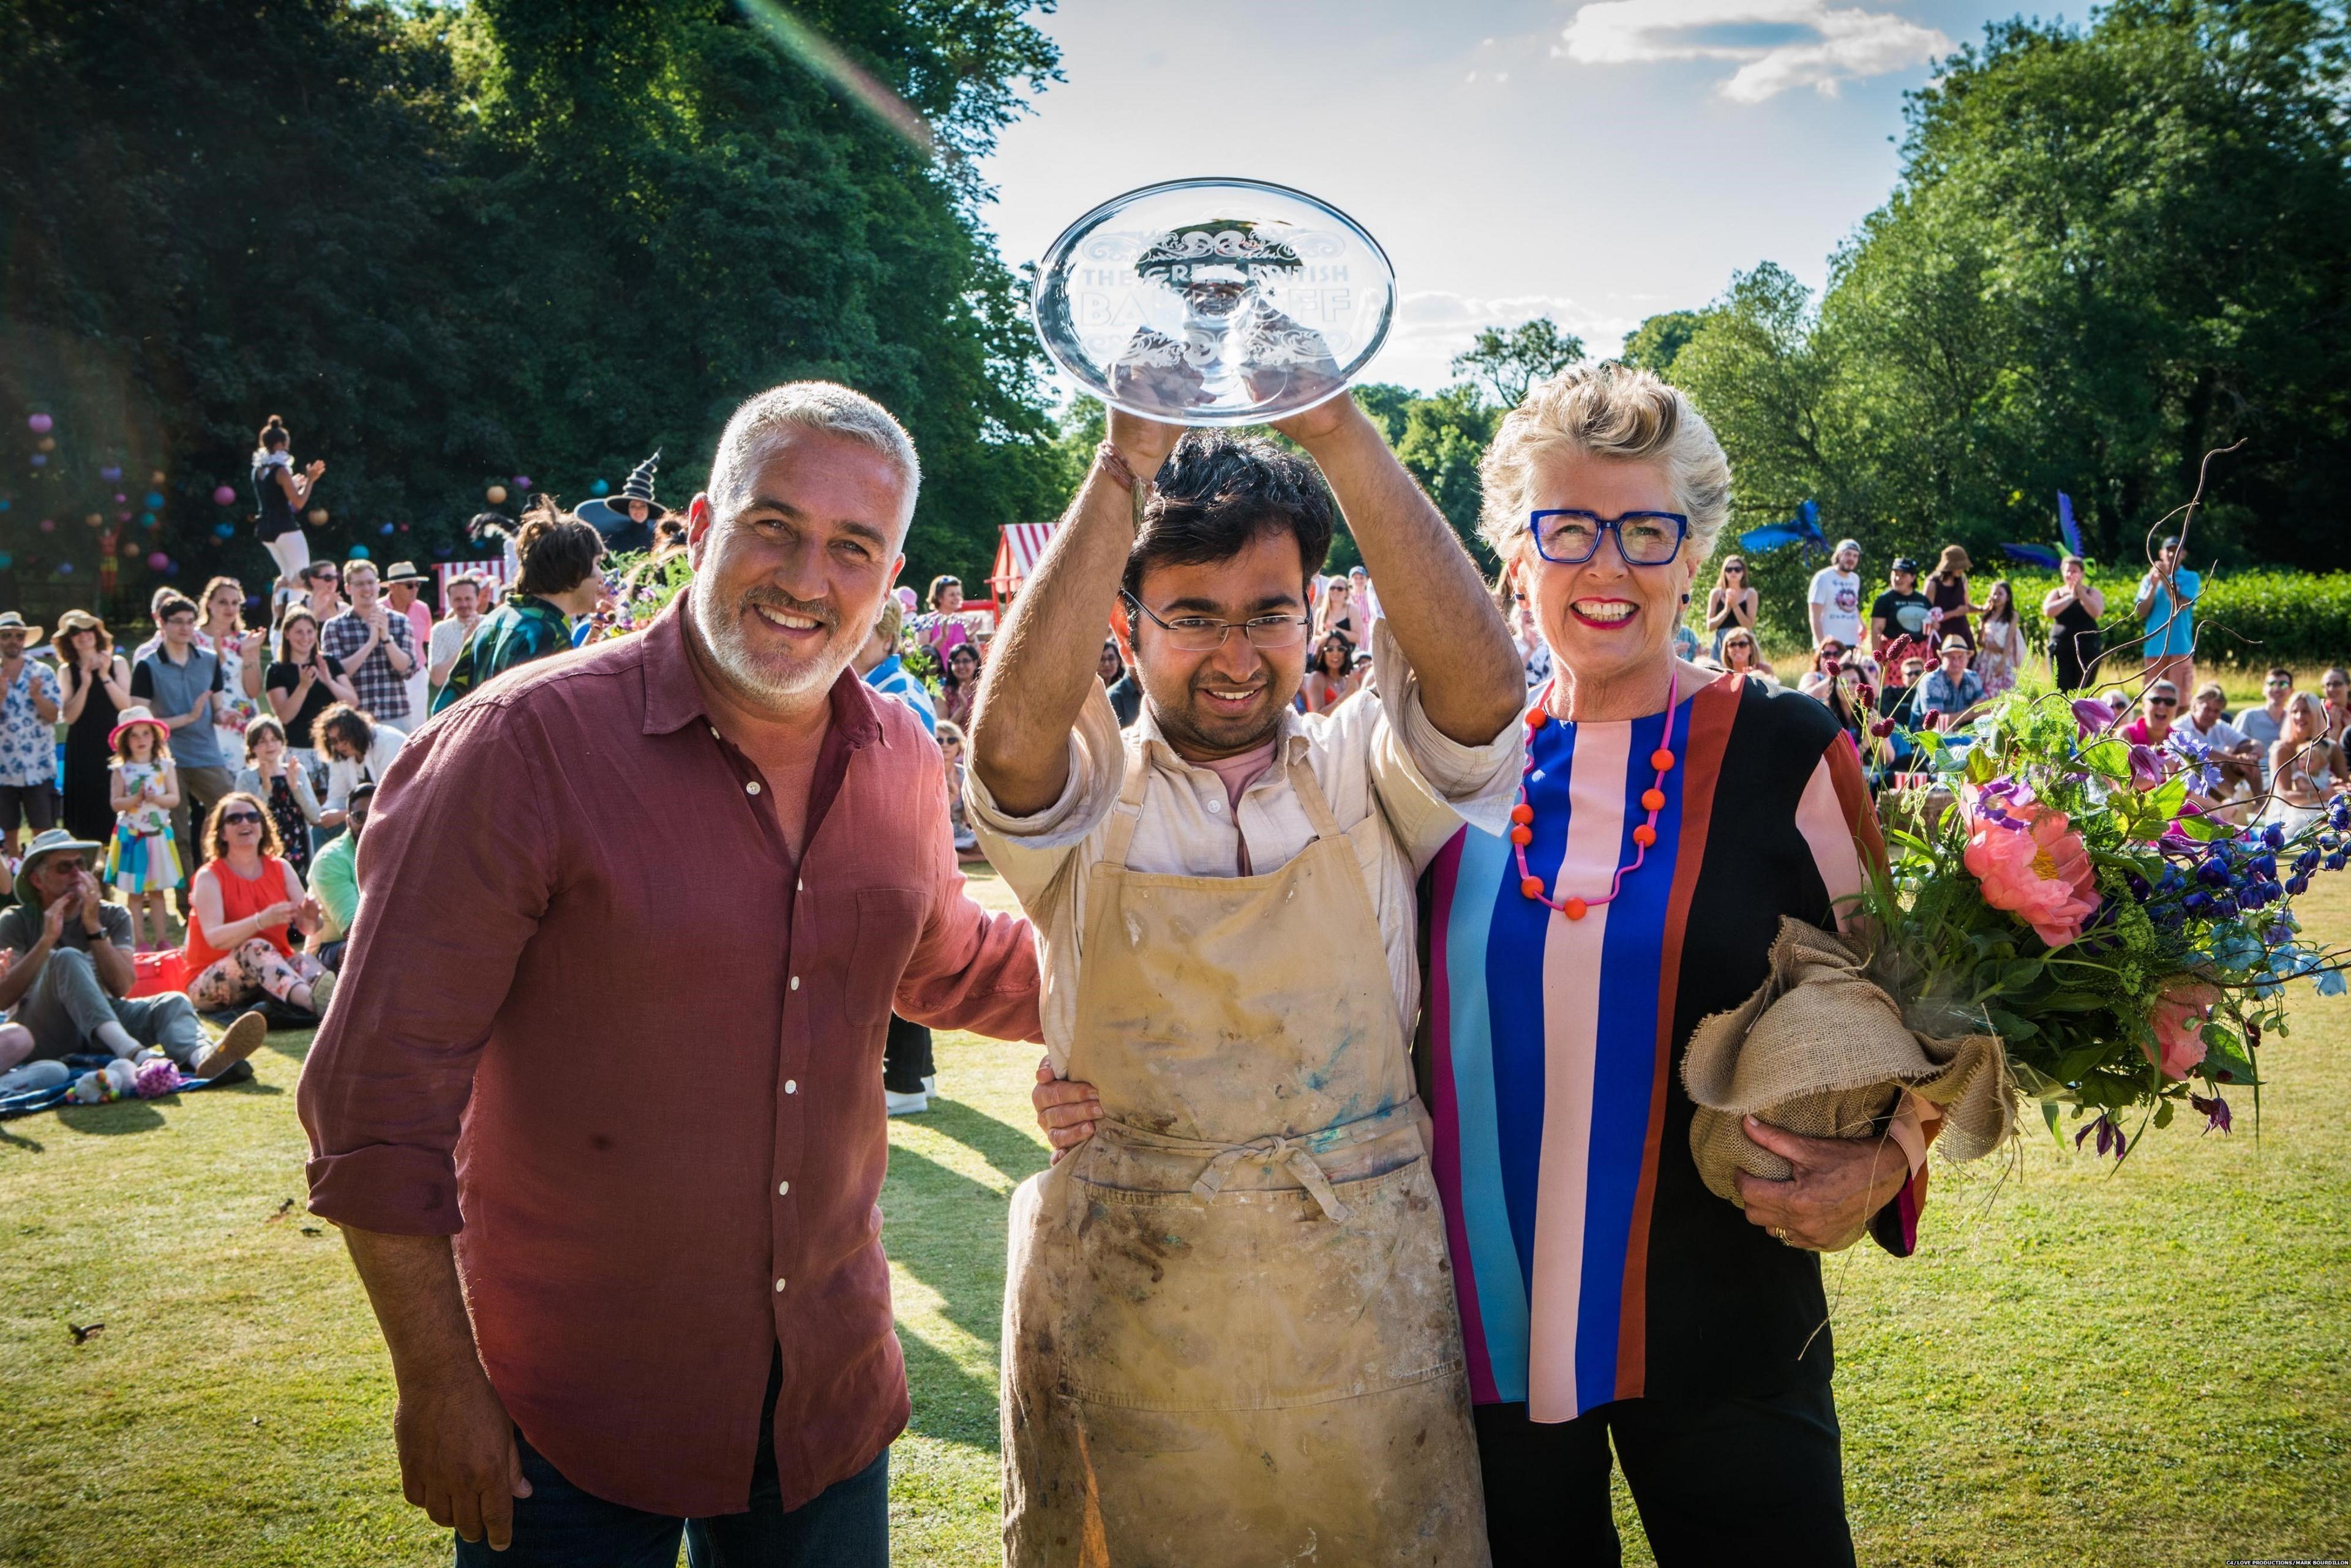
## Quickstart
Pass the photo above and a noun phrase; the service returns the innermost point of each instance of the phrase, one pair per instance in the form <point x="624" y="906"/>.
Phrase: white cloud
<point x="1778" y="44"/>
<point x="1432" y="326"/>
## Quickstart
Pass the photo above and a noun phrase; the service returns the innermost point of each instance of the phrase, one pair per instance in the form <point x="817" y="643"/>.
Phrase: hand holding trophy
<point x="1215" y="302"/>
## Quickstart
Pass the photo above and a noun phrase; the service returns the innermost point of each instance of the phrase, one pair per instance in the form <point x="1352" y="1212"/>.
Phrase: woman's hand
<point x="1066" y="1109"/>
<point x="1839" y="1183"/>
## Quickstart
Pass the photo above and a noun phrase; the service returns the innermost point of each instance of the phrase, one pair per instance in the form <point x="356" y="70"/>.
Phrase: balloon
<point x="385" y="530"/>
<point x="4" y="503"/>
<point x="40" y="460"/>
<point x="224" y="530"/>
<point x="158" y="561"/>
<point x="130" y="550"/>
<point x="48" y="524"/>
<point x="443" y="551"/>
<point x="124" y="516"/>
<point x="154" y="501"/>
<point x="403" y="528"/>
<point x="150" y="520"/>
<point x="496" y="495"/>
<point x="223" y="496"/>
<point x="359" y="551"/>
<point x="600" y="488"/>
<point x="522" y="481"/>
<point x="7" y="561"/>
<point x="48" y="444"/>
<point x="40" y="423"/>
<point x="156" y="477"/>
<point x="111" y="473"/>
<point x="318" y="517"/>
<point x="64" y="568"/>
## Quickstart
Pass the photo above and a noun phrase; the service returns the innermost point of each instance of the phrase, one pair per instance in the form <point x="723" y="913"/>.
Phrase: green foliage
<point x="1510" y="360"/>
<point x="452" y="245"/>
<point x="2111" y="250"/>
<point x="1659" y="341"/>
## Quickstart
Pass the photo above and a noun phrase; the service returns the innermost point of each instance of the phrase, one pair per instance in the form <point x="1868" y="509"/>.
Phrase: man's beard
<point x="767" y="681"/>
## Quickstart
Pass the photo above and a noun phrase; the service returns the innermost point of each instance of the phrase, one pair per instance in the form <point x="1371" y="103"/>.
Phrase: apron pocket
<point x="1257" y="1300"/>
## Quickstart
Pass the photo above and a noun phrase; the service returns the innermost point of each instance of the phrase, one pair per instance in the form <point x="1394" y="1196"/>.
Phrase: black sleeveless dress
<point x="89" y="787"/>
<point x="2074" y="644"/>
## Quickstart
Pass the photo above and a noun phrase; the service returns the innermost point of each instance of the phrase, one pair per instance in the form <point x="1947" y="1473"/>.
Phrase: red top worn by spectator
<point x="240" y="900"/>
<point x="579" y="914"/>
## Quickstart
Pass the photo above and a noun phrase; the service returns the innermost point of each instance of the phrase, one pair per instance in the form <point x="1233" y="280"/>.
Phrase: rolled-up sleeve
<point x="1028" y="851"/>
<point x="1428" y="782"/>
<point x="456" y="871"/>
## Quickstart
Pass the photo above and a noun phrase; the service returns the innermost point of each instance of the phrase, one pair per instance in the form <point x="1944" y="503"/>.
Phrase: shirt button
<point x="752" y="788"/>
<point x="783" y="1190"/>
<point x="796" y="982"/>
<point x="779" y="1287"/>
<point x="791" y="1085"/>
<point x="715" y="735"/>
<point x="1215" y="805"/>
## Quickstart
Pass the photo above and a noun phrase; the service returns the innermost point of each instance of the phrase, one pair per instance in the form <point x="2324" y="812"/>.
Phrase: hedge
<point x="2256" y="617"/>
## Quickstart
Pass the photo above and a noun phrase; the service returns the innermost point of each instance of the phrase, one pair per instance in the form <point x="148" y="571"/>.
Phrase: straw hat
<point x="140" y="715"/>
<point x="10" y="621"/>
<point x="51" y="841"/>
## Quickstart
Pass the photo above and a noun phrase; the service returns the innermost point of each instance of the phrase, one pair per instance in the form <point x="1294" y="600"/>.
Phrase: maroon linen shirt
<point x="593" y="1016"/>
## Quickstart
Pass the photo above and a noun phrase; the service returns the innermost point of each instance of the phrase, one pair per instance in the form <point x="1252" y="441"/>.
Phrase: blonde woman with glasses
<point x="1730" y="605"/>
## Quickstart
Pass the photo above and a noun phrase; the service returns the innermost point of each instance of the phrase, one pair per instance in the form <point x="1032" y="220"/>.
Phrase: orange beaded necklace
<point x="1653" y="800"/>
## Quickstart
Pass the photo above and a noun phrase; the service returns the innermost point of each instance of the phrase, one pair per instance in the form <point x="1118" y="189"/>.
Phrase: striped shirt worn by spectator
<point x="382" y="691"/>
<point x="889" y="678"/>
<point x="524" y="628"/>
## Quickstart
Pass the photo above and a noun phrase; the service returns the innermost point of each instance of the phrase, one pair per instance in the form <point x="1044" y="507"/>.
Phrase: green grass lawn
<point x="2082" y="1366"/>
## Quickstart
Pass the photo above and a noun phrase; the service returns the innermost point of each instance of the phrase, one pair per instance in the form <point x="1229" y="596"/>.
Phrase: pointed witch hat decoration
<point x="639" y="487"/>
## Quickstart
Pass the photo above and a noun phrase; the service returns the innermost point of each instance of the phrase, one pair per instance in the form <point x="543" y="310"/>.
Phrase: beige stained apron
<point x="1229" y="1330"/>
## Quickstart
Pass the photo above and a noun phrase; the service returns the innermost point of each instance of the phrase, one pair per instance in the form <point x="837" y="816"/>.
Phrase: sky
<point x="1593" y="162"/>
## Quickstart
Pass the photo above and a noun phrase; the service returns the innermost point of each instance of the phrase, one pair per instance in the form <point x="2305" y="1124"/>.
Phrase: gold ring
<point x="1777" y="1233"/>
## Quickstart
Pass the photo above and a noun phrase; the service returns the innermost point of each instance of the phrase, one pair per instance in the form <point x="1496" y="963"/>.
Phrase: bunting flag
<point x="2065" y="523"/>
<point x="2034" y="554"/>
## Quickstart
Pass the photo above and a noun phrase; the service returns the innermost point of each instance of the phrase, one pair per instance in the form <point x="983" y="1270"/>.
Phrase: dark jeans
<point x="847" y="1525"/>
<point x="906" y="1056"/>
<point x="1745" y="1480"/>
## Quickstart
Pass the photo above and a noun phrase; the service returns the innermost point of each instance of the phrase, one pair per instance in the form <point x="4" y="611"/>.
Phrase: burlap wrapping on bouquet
<point x="1823" y="1049"/>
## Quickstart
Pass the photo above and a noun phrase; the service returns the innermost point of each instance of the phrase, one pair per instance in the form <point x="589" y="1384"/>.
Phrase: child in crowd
<point x="142" y="860"/>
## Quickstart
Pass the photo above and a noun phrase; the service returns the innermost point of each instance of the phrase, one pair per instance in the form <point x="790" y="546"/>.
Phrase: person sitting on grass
<point x="357" y="749"/>
<point x="1951" y="691"/>
<point x="244" y="901"/>
<point x="1742" y="654"/>
<point x="335" y="883"/>
<point x="271" y="776"/>
<point x="69" y="976"/>
<point x="2158" y="705"/>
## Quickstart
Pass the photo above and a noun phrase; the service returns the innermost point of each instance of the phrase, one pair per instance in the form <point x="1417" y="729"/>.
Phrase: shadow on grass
<point x="10" y="1140"/>
<point x="292" y="1044"/>
<point x="1014" y="1154"/>
<point x="949" y="1403"/>
<point x="947" y="1231"/>
<point x="107" y="1120"/>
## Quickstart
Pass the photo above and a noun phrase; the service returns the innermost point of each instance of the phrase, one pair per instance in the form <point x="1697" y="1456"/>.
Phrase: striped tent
<point x="493" y="571"/>
<point x="1017" y="554"/>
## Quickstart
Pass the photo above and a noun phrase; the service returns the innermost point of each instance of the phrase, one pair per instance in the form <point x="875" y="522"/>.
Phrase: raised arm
<point x="1472" y="683"/>
<point x="1045" y="658"/>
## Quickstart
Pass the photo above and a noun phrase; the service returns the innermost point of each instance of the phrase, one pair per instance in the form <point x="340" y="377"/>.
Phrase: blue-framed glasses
<point x="1571" y="537"/>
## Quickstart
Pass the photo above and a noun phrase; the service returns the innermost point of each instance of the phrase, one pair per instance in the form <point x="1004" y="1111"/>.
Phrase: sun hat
<point x="403" y="571"/>
<point x="51" y="841"/>
<point x="140" y="714"/>
<point x="1960" y="643"/>
<point x="10" y="621"/>
<point x="73" y="621"/>
<point x="1954" y="559"/>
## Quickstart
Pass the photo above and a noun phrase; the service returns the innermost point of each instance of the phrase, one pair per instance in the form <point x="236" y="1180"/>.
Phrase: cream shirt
<point x="1375" y="754"/>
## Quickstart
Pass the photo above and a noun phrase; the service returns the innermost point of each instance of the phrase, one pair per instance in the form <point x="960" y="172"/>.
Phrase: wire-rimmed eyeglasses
<point x="1202" y="634"/>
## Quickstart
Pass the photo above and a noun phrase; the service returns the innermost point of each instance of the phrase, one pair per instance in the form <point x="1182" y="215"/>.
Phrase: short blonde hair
<point x="1608" y="411"/>
<point x="892" y="620"/>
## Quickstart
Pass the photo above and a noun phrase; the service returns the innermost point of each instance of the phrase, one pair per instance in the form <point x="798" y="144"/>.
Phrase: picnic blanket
<point x="28" y="1101"/>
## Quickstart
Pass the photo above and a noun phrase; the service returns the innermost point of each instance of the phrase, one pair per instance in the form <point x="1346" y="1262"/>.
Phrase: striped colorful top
<point x="1592" y="1264"/>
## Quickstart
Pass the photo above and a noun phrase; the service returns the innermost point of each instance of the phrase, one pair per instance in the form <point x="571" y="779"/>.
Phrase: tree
<point x="1657" y="341"/>
<point x="520" y="236"/>
<point x="1512" y="359"/>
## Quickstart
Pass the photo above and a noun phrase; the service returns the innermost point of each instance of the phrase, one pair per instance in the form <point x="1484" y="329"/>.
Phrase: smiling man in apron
<point x="1229" y="1331"/>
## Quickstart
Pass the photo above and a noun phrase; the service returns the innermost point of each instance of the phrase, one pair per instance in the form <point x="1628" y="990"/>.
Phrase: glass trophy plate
<point x="1215" y="301"/>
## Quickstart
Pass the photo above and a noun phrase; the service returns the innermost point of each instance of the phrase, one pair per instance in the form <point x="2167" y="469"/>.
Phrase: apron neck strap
<point x="1131" y="787"/>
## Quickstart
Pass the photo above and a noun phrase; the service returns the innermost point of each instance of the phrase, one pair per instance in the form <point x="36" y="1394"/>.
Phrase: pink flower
<point x="2034" y="866"/>
<point x="2179" y="1019"/>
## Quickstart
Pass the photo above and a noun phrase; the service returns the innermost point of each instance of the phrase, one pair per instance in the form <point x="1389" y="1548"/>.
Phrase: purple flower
<point x="2215" y="1112"/>
<point x="2110" y="1137"/>
<point x="2095" y="716"/>
<point x="2146" y="767"/>
<point x="2197" y="759"/>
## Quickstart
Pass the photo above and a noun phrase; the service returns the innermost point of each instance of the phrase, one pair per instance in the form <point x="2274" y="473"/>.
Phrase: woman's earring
<point x="1685" y="599"/>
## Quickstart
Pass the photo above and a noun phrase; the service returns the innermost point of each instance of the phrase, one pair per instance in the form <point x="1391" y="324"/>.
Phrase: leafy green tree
<point x="1510" y="360"/>
<point x="1657" y="341"/>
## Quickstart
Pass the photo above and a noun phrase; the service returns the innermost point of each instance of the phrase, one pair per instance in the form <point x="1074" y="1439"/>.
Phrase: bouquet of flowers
<point x="2086" y="900"/>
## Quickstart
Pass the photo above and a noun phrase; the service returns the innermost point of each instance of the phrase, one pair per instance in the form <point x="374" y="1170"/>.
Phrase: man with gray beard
<point x="612" y="1016"/>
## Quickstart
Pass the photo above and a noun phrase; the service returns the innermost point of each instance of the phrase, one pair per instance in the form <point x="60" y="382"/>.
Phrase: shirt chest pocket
<point x="889" y="923"/>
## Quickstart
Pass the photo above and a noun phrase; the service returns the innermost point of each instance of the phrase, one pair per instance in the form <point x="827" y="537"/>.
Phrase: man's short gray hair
<point x="811" y="405"/>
